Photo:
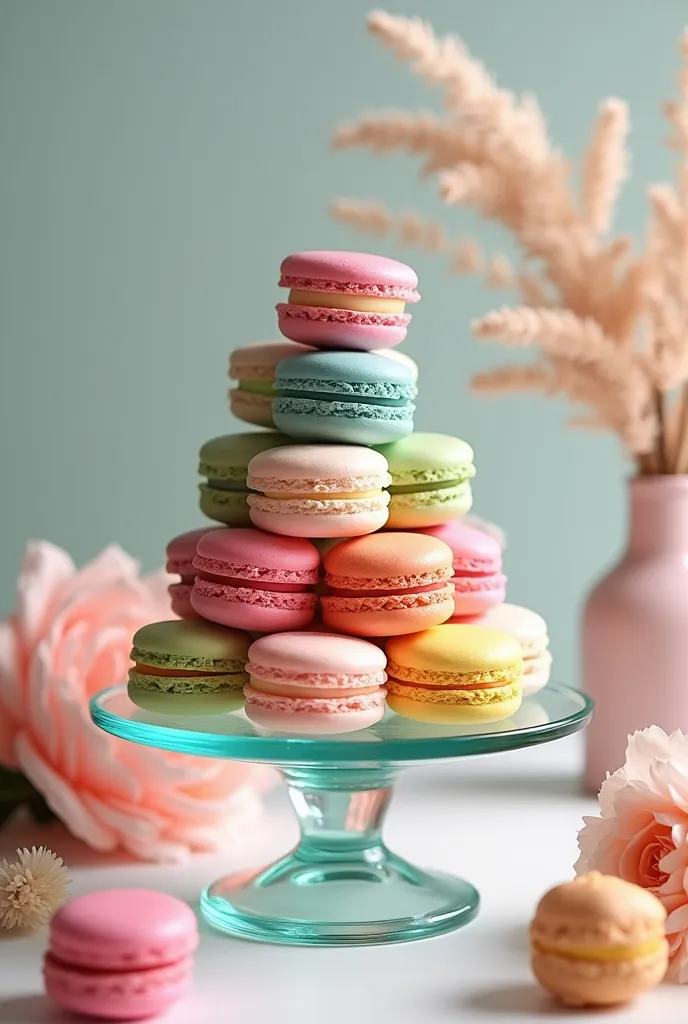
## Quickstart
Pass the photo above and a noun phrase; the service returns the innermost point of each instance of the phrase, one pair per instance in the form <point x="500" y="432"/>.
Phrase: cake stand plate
<point x="341" y="886"/>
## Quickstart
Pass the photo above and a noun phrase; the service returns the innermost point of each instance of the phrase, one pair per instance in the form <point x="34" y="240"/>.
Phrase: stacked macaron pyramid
<point x="342" y="579"/>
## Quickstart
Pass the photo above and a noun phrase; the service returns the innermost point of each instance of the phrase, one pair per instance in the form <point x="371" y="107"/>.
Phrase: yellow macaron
<point x="455" y="675"/>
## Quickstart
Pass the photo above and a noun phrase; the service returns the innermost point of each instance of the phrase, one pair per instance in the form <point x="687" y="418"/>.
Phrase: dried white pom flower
<point x="31" y="888"/>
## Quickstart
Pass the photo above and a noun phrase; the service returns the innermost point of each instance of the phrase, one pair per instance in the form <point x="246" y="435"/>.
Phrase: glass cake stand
<point x="341" y="886"/>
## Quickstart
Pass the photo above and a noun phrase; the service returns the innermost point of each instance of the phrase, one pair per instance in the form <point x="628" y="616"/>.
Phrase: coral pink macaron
<point x="120" y="954"/>
<point x="387" y="584"/>
<point x="346" y="300"/>
<point x="254" y="580"/>
<point x="479" y="583"/>
<point x="180" y="556"/>
<point x="317" y="683"/>
<point x="319" y="490"/>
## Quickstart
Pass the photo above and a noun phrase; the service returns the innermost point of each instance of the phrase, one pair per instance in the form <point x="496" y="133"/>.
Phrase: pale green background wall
<point x="159" y="158"/>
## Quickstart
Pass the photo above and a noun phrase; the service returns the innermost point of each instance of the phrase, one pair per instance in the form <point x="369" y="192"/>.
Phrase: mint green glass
<point x="341" y="885"/>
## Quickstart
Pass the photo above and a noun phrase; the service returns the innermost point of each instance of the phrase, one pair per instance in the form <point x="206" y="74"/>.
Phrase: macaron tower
<point x="342" y="552"/>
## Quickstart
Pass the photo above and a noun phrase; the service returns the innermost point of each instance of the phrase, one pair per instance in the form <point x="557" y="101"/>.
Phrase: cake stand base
<point x="341" y="886"/>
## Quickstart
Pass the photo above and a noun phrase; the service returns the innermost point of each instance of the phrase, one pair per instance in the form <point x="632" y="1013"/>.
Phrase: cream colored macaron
<point x="598" y="941"/>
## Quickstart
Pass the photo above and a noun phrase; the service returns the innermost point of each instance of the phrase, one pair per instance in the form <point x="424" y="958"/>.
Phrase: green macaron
<point x="223" y="461"/>
<point x="431" y="476"/>
<point x="188" y="667"/>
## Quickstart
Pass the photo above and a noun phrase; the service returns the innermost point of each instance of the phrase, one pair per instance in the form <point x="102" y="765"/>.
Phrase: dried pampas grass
<point x="31" y="889"/>
<point x="610" y="329"/>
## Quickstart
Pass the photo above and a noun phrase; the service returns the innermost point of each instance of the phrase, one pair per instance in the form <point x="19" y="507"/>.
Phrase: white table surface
<point x="507" y="823"/>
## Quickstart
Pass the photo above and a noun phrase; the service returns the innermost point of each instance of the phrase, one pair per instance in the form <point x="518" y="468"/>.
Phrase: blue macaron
<point x="345" y="397"/>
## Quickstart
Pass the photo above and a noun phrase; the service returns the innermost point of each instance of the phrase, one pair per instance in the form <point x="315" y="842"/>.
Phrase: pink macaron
<point x="348" y="300"/>
<point x="256" y="581"/>
<point x="120" y="954"/>
<point x="479" y="583"/>
<point x="387" y="584"/>
<point x="180" y="556"/>
<point x="315" y="683"/>
<point x="319" y="490"/>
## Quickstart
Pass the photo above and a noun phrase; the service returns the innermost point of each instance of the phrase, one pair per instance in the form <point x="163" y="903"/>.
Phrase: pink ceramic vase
<point x="635" y="629"/>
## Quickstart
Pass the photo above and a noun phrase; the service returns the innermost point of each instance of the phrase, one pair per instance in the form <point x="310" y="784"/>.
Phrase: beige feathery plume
<point x="31" y="889"/>
<point x="503" y="380"/>
<point x="605" y="166"/>
<point x="370" y="218"/>
<point x="500" y="273"/>
<point x="612" y="328"/>
<point x="467" y="258"/>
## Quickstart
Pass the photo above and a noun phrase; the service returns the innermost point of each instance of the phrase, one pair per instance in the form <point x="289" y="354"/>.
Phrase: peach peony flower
<point x="641" y="834"/>
<point x="69" y="638"/>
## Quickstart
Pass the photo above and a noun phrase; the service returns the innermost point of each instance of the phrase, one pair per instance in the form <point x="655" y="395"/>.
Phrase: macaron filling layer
<point x="328" y="314"/>
<point x="320" y="284"/>
<point x="256" y="575"/>
<point x="256" y="387"/>
<point x="600" y="954"/>
<point x="271" y="485"/>
<point x="282" y="682"/>
<point x="344" y="504"/>
<point x="324" y="408"/>
<point x="433" y="679"/>
<point x="336" y="300"/>
<point x="145" y="677"/>
<point x="262" y="598"/>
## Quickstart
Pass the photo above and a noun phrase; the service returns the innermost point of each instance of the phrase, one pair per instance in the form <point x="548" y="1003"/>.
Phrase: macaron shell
<point x="536" y="673"/>
<point x="429" y="508"/>
<point x="460" y="713"/>
<point x="180" y="600"/>
<point x="579" y="983"/>
<point x="317" y="653"/>
<point x="300" y="521"/>
<point x="119" y="995"/>
<point x="181" y="550"/>
<point x="387" y="561"/>
<point x="327" y="328"/>
<point x="257" y="360"/>
<point x="314" y="716"/>
<point x="116" y="929"/>
<point x="250" y="407"/>
<point x="360" y="273"/>
<point x="253" y="610"/>
<point x="318" y="469"/>
<point x="224" y="506"/>
<point x="190" y="646"/>
<point x="226" y="458"/>
<point x="455" y="650"/>
<point x="183" y="704"/>
<point x="339" y="422"/>
<point x="388" y="616"/>
<point x="259" y="557"/>
<point x="475" y="595"/>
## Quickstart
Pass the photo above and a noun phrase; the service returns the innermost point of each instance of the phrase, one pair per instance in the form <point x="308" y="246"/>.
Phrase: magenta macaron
<point x="254" y="580"/>
<point x="120" y="954"/>
<point x="180" y="556"/>
<point x="315" y="683"/>
<point x="349" y="300"/>
<point x="479" y="583"/>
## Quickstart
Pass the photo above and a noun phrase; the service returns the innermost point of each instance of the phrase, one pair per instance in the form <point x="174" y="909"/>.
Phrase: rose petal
<point x="46" y="569"/>
<point x="61" y="799"/>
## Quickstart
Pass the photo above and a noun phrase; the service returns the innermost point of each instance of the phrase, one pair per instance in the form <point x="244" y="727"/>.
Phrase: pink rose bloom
<point x="641" y="834"/>
<point x="69" y="638"/>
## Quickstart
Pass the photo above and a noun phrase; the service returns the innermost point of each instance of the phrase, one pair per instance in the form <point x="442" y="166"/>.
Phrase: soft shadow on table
<point x="31" y="1010"/>
<point x="531" y="784"/>
<point x="508" y="1000"/>
<point x="22" y="831"/>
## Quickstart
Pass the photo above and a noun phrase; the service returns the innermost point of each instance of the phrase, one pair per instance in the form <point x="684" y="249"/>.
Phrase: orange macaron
<point x="387" y="584"/>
